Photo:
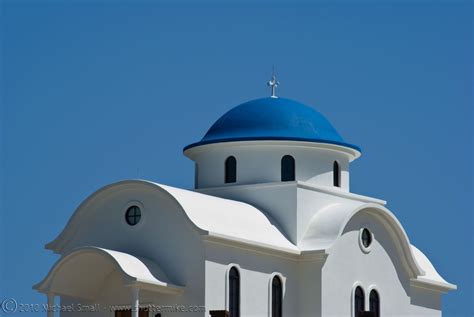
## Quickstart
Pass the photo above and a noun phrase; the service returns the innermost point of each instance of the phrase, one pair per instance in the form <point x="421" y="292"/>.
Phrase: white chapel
<point x="271" y="229"/>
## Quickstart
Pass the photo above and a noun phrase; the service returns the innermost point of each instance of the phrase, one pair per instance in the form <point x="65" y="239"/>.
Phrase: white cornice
<point x="351" y="153"/>
<point x="340" y="193"/>
<point x="424" y="283"/>
<point x="299" y="184"/>
<point x="260" y="248"/>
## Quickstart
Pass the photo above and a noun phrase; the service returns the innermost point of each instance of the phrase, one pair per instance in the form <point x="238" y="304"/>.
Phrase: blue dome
<point x="272" y="119"/>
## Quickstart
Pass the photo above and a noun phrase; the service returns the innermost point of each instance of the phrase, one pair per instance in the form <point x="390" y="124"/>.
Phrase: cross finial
<point x="273" y="83"/>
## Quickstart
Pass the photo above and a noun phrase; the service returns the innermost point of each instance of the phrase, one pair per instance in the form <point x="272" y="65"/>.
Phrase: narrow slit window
<point x="196" y="175"/>
<point x="336" y="172"/>
<point x="287" y="168"/>
<point x="234" y="292"/>
<point x="230" y="170"/>
<point x="359" y="299"/>
<point x="374" y="303"/>
<point x="277" y="297"/>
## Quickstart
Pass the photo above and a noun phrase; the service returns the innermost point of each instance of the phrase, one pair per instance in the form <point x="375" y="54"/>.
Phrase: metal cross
<point x="273" y="83"/>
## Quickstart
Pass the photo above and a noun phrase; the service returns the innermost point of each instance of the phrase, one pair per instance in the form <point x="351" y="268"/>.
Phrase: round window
<point x="366" y="237"/>
<point x="133" y="215"/>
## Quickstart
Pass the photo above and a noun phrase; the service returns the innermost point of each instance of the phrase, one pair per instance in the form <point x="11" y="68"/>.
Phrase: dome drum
<point x="258" y="134"/>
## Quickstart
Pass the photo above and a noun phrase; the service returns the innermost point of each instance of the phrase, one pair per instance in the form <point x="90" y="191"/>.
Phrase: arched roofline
<point x="133" y="270"/>
<point x="199" y="211"/>
<point x="333" y="220"/>
<point x="403" y="241"/>
<point x="59" y="242"/>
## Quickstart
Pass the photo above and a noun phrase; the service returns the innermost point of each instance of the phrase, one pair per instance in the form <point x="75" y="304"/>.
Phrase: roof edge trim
<point x="425" y="283"/>
<point x="272" y="138"/>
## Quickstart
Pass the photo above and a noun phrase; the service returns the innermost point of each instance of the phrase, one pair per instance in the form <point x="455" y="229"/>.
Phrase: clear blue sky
<point x="93" y="93"/>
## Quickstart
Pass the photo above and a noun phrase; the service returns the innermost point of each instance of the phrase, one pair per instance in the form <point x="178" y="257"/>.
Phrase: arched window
<point x="336" y="174"/>
<point x="277" y="297"/>
<point x="234" y="292"/>
<point x="374" y="303"/>
<point x="358" y="301"/>
<point x="287" y="168"/>
<point x="230" y="170"/>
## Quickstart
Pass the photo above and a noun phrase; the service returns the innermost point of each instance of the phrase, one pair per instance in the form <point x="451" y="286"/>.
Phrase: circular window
<point x="366" y="237"/>
<point x="133" y="215"/>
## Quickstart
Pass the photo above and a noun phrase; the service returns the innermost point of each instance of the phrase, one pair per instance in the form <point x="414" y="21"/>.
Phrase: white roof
<point x="66" y="278"/>
<point x="230" y="219"/>
<point x="430" y="274"/>
<point x="243" y="223"/>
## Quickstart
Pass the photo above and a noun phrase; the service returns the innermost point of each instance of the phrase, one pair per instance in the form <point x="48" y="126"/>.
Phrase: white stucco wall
<point x="260" y="162"/>
<point x="162" y="235"/>
<point x="256" y="272"/>
<point x="290" y="204"/>
<point x="314" y="285"/>
<point x="348" y="265"/>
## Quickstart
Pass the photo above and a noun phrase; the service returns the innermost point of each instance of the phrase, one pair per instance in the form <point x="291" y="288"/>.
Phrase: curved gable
<point x="71" y="275"/>
<point x="208" y="215"/>
<point x="329" y="224"/>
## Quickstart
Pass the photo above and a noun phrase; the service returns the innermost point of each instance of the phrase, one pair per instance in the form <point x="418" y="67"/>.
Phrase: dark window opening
<point x="358" y="301"/>
<point x="336" y="174"/>
<point x="234" y="292"/>
<point x="230" y="170"/>
<point x="287" y="168"/>
<point x="133" y="215"/>
<point x="196" y="175"/>
<point x="366" y="238"/>
<point x="277" y="297"/>
<point x="374" y="303"/>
